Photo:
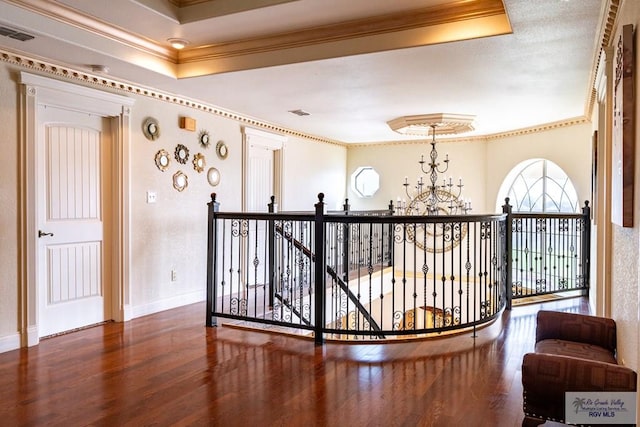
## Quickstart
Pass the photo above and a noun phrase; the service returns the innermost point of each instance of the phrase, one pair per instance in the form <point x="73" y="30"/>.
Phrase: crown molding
<point x="486" y="138"/>
<point x="419" y="27"/>
<point x="575" y="121"/>
<point x="72" y="17"/>
<point x="608" y="17"/>
<point x="71" y="74"/>
<point x="458" y="20"/>
<point x="376" y="25"/>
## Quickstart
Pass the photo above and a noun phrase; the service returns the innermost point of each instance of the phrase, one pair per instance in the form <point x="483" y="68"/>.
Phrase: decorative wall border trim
<point x="72" y="74"/>
<point x="607" y="25"/>
<point x="69" y="73"/>
<point x="485" y="138"/>
<point x="540" y="128"/>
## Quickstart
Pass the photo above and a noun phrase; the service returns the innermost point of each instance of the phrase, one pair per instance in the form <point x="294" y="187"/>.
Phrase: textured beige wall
<point x="312" y="168"/>
<point x="8" y="202"/>
<point x="568" y="147"/>
<point x="170" y="234"/>
<point x="483" y="166"/>
<point x="625" y="291"/>
<point x="395" y="161"/>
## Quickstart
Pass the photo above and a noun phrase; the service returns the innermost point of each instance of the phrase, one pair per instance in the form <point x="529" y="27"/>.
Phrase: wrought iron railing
<point x="344" y="275"/>
<point x="549" y="253"/>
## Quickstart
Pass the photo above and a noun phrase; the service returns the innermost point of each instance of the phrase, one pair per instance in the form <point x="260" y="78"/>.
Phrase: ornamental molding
<point x="71" y="74"/>
<point x="72" y="17"/>
<point x="609" y="16"/>
<point x="485" y="138"/>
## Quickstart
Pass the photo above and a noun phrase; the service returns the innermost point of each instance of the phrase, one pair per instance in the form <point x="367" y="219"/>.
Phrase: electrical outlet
<point x="174" y="275"/>
<point x="151" y="196"/>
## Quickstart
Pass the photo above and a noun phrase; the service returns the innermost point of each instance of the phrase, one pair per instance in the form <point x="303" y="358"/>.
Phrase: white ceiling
<point x="537" y="73"/>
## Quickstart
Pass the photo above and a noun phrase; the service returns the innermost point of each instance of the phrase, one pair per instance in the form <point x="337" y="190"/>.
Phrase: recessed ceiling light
<point x="178" y="43"/>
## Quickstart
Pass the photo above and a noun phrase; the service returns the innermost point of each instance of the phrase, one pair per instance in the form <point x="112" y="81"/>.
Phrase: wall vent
<point x="15" y="34"/>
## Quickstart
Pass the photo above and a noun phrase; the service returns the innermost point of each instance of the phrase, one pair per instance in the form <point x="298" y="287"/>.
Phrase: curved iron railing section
<point x="549" y="253"/>
<point x="366" y="275"/>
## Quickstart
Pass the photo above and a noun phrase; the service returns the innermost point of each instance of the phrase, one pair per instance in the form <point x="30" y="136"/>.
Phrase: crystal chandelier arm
<point x="406" y="187"/>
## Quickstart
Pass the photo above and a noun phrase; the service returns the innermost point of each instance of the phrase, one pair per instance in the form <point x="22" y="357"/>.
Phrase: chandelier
<point x="432" y="198"/>
<point x="433" y="195"/>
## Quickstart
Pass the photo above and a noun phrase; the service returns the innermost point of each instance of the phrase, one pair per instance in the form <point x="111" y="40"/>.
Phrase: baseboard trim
<point x="9" y="342"/>
<point x="167" y="304"/>
<point x="32" y="336"/>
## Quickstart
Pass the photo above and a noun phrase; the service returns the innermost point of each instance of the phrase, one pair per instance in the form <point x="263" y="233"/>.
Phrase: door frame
<point x="272" y="141"/>
<point x="37" y="90"/>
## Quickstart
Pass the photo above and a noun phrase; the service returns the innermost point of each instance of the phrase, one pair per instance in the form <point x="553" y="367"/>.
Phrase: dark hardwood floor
<point x="169" y="369"/>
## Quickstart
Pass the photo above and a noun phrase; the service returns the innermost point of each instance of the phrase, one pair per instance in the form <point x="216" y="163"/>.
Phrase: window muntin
<point x="539" y="185"/>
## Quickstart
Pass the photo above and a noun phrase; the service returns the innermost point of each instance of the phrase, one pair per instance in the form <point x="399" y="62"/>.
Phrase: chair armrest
<point x="546" y="378"/>
<point x="575" y="327"/>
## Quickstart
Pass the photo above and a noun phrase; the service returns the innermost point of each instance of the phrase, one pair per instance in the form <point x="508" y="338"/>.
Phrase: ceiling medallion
<point x="426" y="124"/>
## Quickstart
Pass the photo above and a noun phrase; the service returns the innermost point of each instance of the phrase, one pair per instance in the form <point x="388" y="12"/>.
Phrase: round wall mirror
<point x="180" y="181"/>
<point x="181" y="154"/>
<point x="162" y="160"/>
<point x="222" y="150"/>
<point x="204" y="138"/>
<point x="199" y="162"/>
<point x="213" y="176"/>
<point x="151" y="129"/>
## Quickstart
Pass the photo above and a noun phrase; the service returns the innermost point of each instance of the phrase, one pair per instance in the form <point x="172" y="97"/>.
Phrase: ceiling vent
<point x="299" y="113"/>
<point x="15" y="34"/>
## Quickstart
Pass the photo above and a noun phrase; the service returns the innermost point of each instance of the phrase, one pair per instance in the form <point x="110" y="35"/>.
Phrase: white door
<point x="259" y="178"/>
<point x="74" y="162"/>
<point x="263" y="154"/>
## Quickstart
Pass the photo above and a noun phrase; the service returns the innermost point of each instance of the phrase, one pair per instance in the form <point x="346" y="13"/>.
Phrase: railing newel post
<point x="392" y="209"/>
<point x="212" y="259"/>
<point x="506" y="208"/>
<point x="320" y="268"/>
<point x="346" y="242"/>
<point x="586" y="246"/>
<point x="272" y="208"/>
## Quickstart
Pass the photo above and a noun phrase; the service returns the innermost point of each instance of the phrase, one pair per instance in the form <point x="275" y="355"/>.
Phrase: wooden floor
<point x="168" y="369"/>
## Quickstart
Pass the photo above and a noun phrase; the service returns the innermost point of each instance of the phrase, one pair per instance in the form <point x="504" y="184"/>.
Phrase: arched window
<point x="538" y="185"/>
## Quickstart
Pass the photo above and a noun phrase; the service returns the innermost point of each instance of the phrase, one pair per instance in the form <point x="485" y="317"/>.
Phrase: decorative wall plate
<point x="180" y="181"/>
<point x="151" y="129"/>
<point x="222" y="150"/>
<point x="163" y="160"/>
<point x="181" y="154"/>
<point x="198" y="162"/>
<point x="204" y="139"/>
<point x="213" y="176"/>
